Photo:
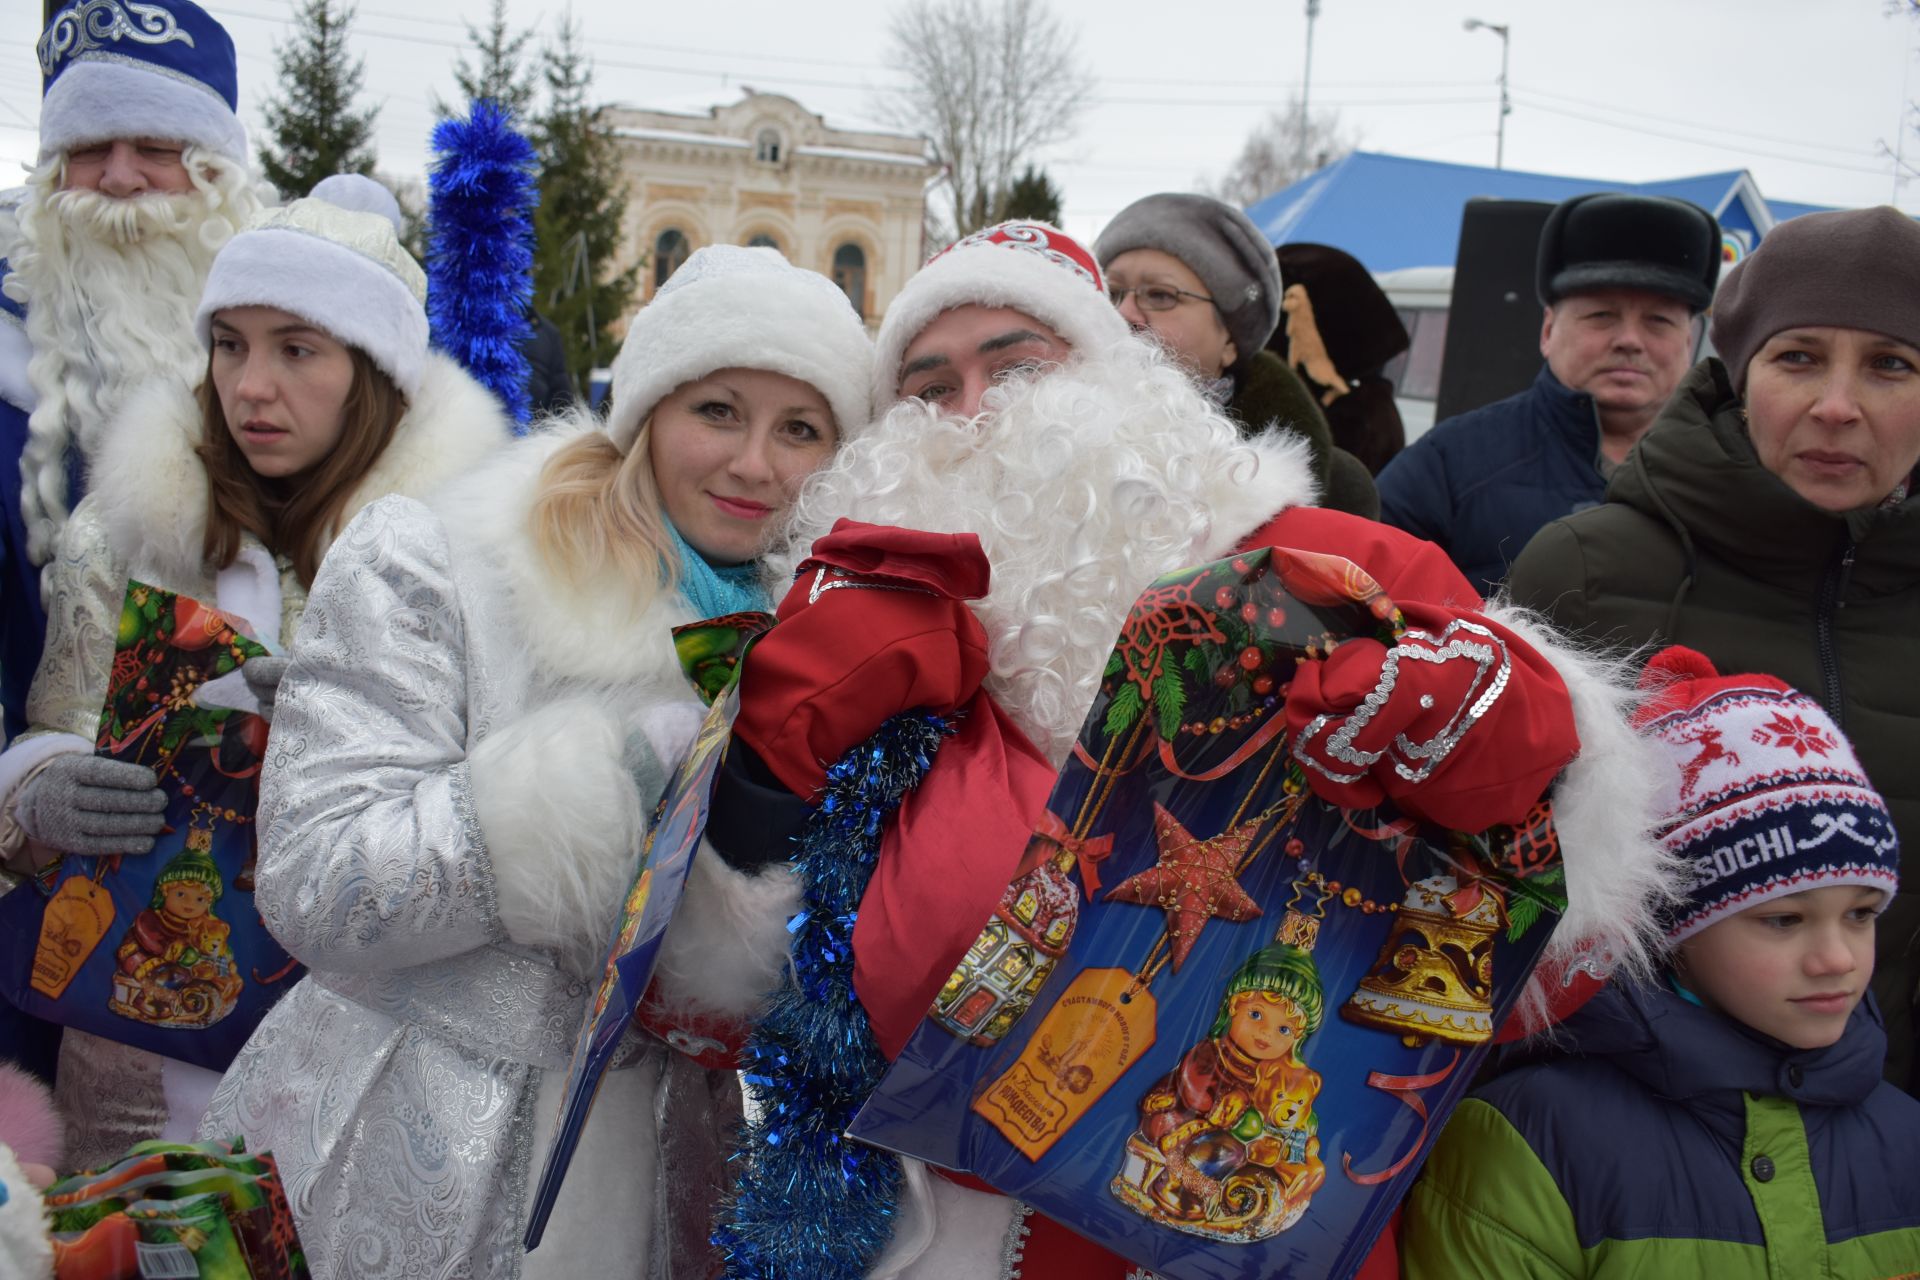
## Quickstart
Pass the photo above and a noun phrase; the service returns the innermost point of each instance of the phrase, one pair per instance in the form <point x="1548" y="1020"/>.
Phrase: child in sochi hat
<point x="1728" y="1119"/>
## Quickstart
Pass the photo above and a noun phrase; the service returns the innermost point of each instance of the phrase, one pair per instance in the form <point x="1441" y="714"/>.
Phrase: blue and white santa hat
<point x="1767" y="797"/>
<point x="138" y="69"/>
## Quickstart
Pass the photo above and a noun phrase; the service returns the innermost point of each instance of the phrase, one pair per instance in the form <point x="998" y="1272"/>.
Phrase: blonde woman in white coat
<point x="320" y="397"/>
<point x="482" y="712"/>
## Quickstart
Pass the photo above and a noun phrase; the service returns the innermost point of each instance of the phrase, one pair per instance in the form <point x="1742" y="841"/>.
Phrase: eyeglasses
<point x="1153" y="297"/>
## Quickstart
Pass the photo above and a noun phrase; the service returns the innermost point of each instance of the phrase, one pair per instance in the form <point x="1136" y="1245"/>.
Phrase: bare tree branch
<point x="990" y="83"/>
<point x="1273" y="155"/>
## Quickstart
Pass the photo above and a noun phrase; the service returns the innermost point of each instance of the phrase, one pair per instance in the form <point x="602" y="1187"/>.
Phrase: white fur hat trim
<point x="991" y="275"/>
<point x="336" y="268"/>
<point x="99" y="100"/>
<point x="729" y="307"/>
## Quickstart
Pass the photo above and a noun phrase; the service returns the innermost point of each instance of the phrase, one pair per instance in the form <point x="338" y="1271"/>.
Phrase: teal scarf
<point x="713" y="591"/>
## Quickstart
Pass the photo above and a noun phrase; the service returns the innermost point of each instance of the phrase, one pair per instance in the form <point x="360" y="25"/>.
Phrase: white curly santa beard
<point x="110" y="287"/>
<point x="1084" y="484"/>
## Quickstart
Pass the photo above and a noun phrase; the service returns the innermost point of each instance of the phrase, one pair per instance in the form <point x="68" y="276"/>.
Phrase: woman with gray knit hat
<point x="1768" y="518"/>
<point x="1198" y="275"/>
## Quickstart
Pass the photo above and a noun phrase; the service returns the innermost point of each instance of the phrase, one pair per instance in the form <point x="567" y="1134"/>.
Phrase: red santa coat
<point x="958" y="838"/>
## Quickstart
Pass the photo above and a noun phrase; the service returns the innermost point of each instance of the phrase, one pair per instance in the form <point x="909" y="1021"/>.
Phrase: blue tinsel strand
<point x="480" y="249"/>
<point x="807" y="1203"/>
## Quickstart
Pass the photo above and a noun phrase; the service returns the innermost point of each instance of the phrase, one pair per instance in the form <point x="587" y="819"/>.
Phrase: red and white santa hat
<point x="1030" y="267"/>
<point x="1768" y="797"/>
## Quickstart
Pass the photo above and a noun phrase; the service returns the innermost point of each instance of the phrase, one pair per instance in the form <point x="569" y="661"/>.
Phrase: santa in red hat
<point x="975" y="552"/>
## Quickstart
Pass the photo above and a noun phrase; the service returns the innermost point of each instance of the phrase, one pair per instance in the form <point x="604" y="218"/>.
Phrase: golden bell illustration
<point x="1434" y="977"/>
<point x="1015" y="953"/>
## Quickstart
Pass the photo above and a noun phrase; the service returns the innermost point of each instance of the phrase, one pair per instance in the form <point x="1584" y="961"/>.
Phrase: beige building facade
<point x="846" y="202"/>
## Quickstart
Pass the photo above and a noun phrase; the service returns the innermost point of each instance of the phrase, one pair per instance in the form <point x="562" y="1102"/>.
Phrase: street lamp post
<point x="1506" y="105"/>
<point x="1306" y="89"/>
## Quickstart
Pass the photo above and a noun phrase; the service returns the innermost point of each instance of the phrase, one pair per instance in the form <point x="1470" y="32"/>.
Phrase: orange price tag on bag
<point x="1099" y="1027"/>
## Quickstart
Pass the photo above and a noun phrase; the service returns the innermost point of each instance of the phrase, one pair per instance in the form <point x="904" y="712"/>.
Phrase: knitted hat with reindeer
<point x="1768" y="797"/>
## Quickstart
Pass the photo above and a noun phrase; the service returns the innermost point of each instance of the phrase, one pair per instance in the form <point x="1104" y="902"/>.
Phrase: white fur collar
<point x="152" y="489"/>
<point x="1283" y="478"/>
<point x="574" y="631"/>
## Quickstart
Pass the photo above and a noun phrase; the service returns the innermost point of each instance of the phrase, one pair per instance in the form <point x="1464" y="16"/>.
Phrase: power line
<point x="1700" y="142"/>
<point x="1667" y="118"/>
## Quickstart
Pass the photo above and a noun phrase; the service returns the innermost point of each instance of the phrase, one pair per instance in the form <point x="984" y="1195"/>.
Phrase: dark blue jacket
<point x="23" y="623"/>
<point x="1481" y="484"/>
<point x="1664" y="1139"/>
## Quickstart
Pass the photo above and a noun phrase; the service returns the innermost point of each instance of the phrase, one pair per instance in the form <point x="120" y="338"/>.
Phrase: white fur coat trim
<point x="1604" y="808"/>
<point x="564" y="825"/>
<point x="726" y="949"/>
<point x="152" y="486"/>
<point x="573" y="630"/>
<point x="26" y="1249"/>
<point x="945" y="1231"/>
<point x="1281" y="477"/>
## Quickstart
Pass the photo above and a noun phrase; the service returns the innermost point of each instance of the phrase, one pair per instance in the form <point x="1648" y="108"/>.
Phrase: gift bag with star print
<point x="1215" y="1022"/>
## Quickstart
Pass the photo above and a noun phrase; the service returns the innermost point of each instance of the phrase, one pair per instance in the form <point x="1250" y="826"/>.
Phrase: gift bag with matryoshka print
<point x="1215" y="1022"/>
<point x="162" y="950"/>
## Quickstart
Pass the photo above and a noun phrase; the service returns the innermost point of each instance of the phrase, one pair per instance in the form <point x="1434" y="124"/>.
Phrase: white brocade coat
<point x="466" y="748"/>
<point x="145" y="517"/>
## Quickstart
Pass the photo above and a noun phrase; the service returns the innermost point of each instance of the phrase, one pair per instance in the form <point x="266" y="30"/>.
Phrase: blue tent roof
<point x="1395" y="211"/>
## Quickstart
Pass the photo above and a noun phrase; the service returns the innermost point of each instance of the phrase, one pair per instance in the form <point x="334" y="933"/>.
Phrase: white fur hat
<point x="733" y="308"/>
<point x="158" y="69"/>
<point x="1029" y="266"/>
<point x="340" y="269"/>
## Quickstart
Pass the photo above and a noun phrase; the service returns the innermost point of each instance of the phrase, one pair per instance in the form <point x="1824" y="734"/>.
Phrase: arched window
<point x="762" y="240"/>
<point x="766" y="146"/>
<point x="670" y="250"/>
<point x="850" y="273"/>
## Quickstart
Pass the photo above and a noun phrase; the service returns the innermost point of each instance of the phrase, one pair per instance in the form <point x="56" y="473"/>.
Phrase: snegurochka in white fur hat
<point x="313" y="395"/>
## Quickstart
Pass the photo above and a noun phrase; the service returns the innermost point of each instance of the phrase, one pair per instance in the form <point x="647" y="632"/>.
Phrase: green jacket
<point x="1663" y="1141"/>
<point x="1268" y="393"/>
<point x="1698" y="544"/>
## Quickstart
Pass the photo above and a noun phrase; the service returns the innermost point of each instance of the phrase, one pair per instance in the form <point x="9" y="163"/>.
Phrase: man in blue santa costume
<point x="974" y="553"/>
<point x="141" y="177"/>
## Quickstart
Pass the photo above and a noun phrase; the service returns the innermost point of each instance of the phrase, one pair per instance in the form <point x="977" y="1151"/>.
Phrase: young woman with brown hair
<point x="319" y="396"/>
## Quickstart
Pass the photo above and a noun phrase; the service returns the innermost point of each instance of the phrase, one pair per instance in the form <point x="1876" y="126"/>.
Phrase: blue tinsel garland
<point x="480" y="249"/>
<point x="807" y="1202"/>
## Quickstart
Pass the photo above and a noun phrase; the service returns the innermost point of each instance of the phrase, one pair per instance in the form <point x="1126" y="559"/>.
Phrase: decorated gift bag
<point x="1215" y="1022"/>
<point x="175" y="1211"/>
<point x="162" y="950"/>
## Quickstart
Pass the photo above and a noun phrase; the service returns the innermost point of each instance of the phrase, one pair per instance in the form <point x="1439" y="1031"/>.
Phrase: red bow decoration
<point x="1088" y="851"/>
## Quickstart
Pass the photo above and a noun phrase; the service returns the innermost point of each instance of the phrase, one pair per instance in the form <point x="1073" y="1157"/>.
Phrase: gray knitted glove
<point x="88" y="804"/>
<point x="263" y="679"/>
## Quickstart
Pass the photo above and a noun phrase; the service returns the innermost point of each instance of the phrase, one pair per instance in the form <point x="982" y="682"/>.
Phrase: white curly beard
<point x="110" y="287"/>
<point x="1084" y="484"/>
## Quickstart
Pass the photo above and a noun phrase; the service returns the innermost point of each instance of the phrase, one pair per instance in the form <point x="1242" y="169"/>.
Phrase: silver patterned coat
<point x="145" y="517"/>
<point x="464" y="757"/>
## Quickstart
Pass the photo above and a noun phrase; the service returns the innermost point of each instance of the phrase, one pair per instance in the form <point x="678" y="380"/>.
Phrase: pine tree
<point x="315" y="130"/>
<point x="501" y="73"/>
<point x="583" y="201"/>
<point x="1031" y="196"/>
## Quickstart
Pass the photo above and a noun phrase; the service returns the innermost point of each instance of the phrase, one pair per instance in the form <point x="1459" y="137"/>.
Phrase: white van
<point x="1421" y="295"/>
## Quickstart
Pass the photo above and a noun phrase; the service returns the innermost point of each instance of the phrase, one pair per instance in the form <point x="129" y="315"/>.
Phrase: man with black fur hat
<point x="1622" y="278"/>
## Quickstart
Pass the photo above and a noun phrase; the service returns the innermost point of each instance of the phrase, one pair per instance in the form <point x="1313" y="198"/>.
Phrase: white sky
<point x="1801" y="92"/>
